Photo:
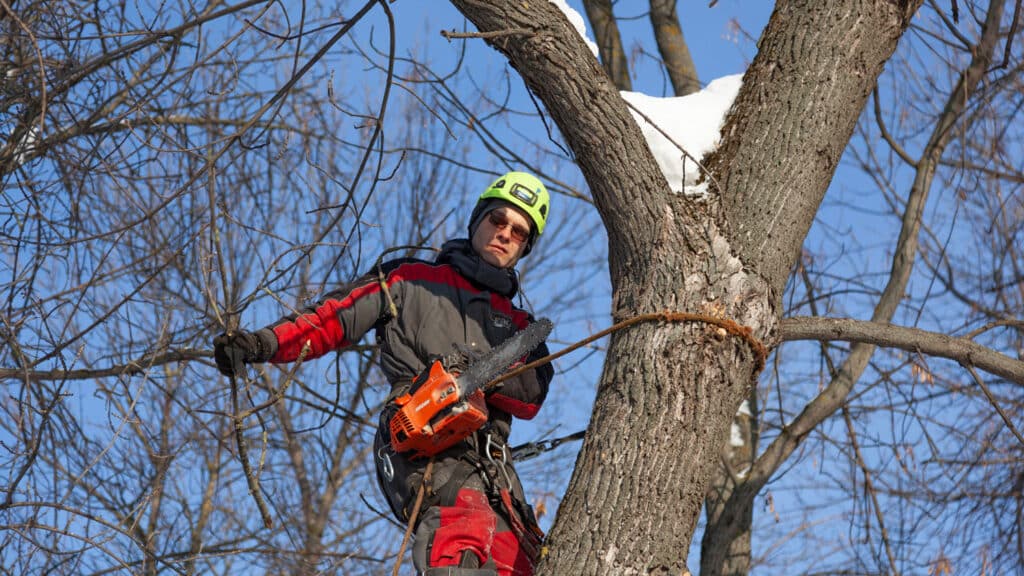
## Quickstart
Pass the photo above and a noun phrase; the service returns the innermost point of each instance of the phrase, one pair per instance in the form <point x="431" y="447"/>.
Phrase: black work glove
<point x="460" y="358"/>
<point x="233" y="351"/>
<point x="455" y="362"/>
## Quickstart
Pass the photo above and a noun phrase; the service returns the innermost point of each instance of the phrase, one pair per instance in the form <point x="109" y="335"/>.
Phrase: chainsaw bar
<point x="497" y="360"/>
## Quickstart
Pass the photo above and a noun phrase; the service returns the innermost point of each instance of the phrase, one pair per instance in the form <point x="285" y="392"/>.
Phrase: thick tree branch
<point x="451" y="34"/>
<point x="962" y="350"/>
<point x="849" y="372"/>
<point x="673" y="49"/>
<point x="609" y="147"/>
<point x="774" y="171"/>
<point x="609" y="42"/>
<point x="902" y="263"/>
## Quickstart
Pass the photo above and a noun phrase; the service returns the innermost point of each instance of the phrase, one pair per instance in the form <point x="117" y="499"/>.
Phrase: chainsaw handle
<point x="436" y="415"/>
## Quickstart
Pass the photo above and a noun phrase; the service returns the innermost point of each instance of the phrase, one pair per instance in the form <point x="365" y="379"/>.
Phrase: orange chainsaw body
<point x="437" y="415"/>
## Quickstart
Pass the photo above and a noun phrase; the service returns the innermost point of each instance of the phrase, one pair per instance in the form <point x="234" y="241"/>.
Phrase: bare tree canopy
<point x="173" y="170"/>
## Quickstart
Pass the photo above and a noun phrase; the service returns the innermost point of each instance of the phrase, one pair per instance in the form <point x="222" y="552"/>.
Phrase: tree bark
<point x="734" y="527"/>
<point x="800" y="100"/>
<point x="673" y="49"/>
<point x="669" y="392"/>
<point x="609" y="43"/>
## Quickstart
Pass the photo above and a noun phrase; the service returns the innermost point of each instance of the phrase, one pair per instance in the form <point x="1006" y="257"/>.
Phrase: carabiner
<point x="385" y="463"/>
<point x="504" y="458"/>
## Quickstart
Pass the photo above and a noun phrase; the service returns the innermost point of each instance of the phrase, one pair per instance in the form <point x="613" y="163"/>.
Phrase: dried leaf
<point x="770" y="505"/>
<point x="540" y="508"/>
<point x="921" y="374"/>
<point x="941" y="566"/>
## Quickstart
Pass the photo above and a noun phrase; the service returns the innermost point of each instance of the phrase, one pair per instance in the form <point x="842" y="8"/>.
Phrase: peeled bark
<point x="669" y="391"/>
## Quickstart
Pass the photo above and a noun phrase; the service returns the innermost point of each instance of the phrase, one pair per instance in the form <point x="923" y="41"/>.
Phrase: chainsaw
<point x="448" y="406"/>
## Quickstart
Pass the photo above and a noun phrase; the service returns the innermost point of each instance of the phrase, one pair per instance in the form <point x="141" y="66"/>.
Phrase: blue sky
<point x="721" y="39"/>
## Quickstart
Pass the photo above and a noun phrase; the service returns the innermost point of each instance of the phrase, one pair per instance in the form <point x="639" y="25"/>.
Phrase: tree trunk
<point x="669" y="391"/>
<point x="725" y="549"/>
<point x="609" y="43"/>
<point x="731" y="529"/>
<point x="675" y="54"/>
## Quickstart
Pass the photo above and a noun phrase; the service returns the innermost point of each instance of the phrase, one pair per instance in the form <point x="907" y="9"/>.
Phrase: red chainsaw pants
<point x="469" y="524"/>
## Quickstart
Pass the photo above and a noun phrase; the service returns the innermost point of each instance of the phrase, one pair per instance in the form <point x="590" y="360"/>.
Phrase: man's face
<point x="501" y="237"/>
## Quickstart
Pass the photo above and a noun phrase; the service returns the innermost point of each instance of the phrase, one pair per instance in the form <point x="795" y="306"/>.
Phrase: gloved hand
<point x="455" y="362"/>
<point x="232" y="352"/>
<point x="460" y="358"/>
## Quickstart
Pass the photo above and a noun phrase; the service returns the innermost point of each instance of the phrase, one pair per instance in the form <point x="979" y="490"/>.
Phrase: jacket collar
<point x="460" y="255"/>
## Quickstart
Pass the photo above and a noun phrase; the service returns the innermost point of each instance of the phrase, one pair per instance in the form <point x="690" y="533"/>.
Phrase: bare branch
<point x="962" y="350"/>
<point x="452" y="34"/>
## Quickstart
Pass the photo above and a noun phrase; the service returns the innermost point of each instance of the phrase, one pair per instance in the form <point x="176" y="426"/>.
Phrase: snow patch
<point x="735" y="437"/>
<point x="577" y="22"/>
<point x="689" y="122"/>
<point x="26" y="145"/>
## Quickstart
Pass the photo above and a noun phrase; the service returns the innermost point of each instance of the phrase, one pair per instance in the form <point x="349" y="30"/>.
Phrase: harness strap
<point x="529" y="535"/>
<point x="445" y="495"/>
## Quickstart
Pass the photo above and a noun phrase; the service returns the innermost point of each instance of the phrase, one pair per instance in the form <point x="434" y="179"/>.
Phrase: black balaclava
<point x="484" y="207"/>
<point x="460" y="254"/>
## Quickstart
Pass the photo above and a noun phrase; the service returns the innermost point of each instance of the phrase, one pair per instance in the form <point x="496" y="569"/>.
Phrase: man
<point x="474" y="520"/>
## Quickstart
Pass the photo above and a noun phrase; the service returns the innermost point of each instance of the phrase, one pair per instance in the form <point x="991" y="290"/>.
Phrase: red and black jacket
<point x="458" y="300"/>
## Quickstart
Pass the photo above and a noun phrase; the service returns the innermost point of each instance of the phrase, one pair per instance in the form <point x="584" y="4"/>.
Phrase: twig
<point x="993" y="402"/>
<point x="996" y="324"/>
<point x="449" y="34"/>
<point x="415" y="514"/>
<point x="677" y="145"/>
<point x="243" y="455"/>
<point x="238" y="417"/>
<point x="870" y="488"/>
<point x="279" y="393"/>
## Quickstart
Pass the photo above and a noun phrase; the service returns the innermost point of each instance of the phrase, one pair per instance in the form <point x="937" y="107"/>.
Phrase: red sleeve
<point x="340" y="319"/>
<point x="518" y="408"/>
<point x="523" y="395"/>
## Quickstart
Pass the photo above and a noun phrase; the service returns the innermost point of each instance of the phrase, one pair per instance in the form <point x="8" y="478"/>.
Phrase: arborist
<point x="474" y="519"/>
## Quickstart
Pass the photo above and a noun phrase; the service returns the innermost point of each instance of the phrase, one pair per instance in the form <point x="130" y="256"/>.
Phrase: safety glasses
<point x="499" y="221"/>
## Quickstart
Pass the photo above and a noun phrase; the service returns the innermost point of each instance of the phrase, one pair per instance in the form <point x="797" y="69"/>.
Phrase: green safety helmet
<point x="524" y="191"/>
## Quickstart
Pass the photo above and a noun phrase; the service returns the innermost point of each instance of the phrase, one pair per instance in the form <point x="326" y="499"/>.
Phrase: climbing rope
<point x="529" y="450"/>
<point x="533" y="449"/>
<point x="745" y="333"/>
